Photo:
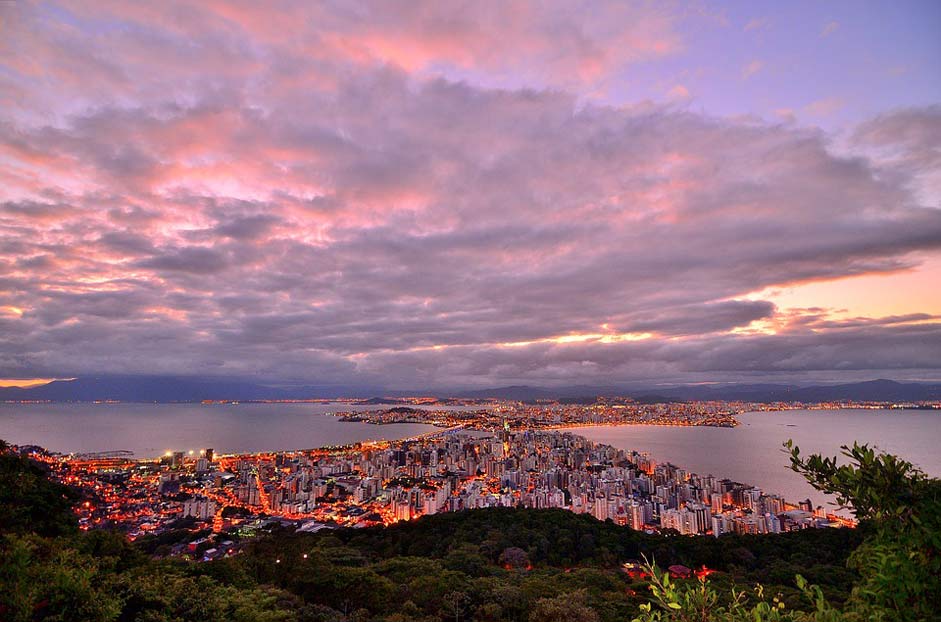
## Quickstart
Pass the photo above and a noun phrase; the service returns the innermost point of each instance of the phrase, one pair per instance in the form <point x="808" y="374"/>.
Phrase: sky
<point x="413" y="194"/>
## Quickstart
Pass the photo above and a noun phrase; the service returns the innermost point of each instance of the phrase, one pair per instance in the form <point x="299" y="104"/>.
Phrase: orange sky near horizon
<point x="24" y="382"/>
<point x="874" y="295"/>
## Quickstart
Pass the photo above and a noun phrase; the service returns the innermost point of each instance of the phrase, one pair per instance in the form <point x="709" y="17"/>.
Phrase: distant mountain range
<point x="180" y="389"/>
<point x="172" y="389"/>
<point x="872" y="390"/>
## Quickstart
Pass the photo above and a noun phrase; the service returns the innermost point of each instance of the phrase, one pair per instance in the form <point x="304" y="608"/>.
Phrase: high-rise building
<point x="199" y="507"/>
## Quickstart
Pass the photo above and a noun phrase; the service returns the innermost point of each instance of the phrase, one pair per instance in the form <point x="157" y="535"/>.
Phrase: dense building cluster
<point x="553" y="414"/>
<point x="448" y="471"/>
<point x="520" y="415"/>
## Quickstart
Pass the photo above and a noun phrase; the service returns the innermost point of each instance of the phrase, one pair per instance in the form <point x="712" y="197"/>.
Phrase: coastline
<point x="254" y="482"/>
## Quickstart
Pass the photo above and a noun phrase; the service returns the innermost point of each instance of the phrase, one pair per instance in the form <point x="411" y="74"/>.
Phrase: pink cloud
<point x="393" y="186"/>
<point x="752" y="68"/>
<point x="824" y="107"/>
<point x="829" y="29"/>
<point x="757" y="23"/>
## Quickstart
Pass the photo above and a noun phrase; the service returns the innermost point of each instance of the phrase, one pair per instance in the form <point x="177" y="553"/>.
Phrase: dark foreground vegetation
<point x="499" y="564"/>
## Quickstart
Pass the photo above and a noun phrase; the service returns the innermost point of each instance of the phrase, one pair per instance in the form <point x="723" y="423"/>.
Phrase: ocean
<point x="752" y="452"/>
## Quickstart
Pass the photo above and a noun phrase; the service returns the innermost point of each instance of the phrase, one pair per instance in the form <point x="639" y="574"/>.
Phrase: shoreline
<point x="344" y="455"/>
<point x="615" y="424"/>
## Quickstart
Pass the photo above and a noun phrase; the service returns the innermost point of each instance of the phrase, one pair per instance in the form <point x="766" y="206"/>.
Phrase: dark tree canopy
<point x="30" y="501"/>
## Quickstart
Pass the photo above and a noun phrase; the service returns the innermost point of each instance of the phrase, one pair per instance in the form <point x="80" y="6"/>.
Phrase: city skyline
<point x="421" y="195"/>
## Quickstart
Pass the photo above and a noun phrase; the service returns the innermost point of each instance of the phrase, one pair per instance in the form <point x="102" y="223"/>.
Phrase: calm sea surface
<point x="149" y="430"/>
<point x="751" y="453"/>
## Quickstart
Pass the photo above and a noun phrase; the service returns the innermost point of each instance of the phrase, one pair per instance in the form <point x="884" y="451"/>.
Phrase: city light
<point x="506" y="455"/>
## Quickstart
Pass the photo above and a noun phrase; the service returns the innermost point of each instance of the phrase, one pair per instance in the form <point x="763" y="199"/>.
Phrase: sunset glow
<point x="24" y="382"/>
<point x="415" y="196"/>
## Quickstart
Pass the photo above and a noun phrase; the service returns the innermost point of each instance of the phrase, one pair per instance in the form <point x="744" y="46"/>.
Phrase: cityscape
<point x="604" y="411"/>
<point x="511" y="455"/>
